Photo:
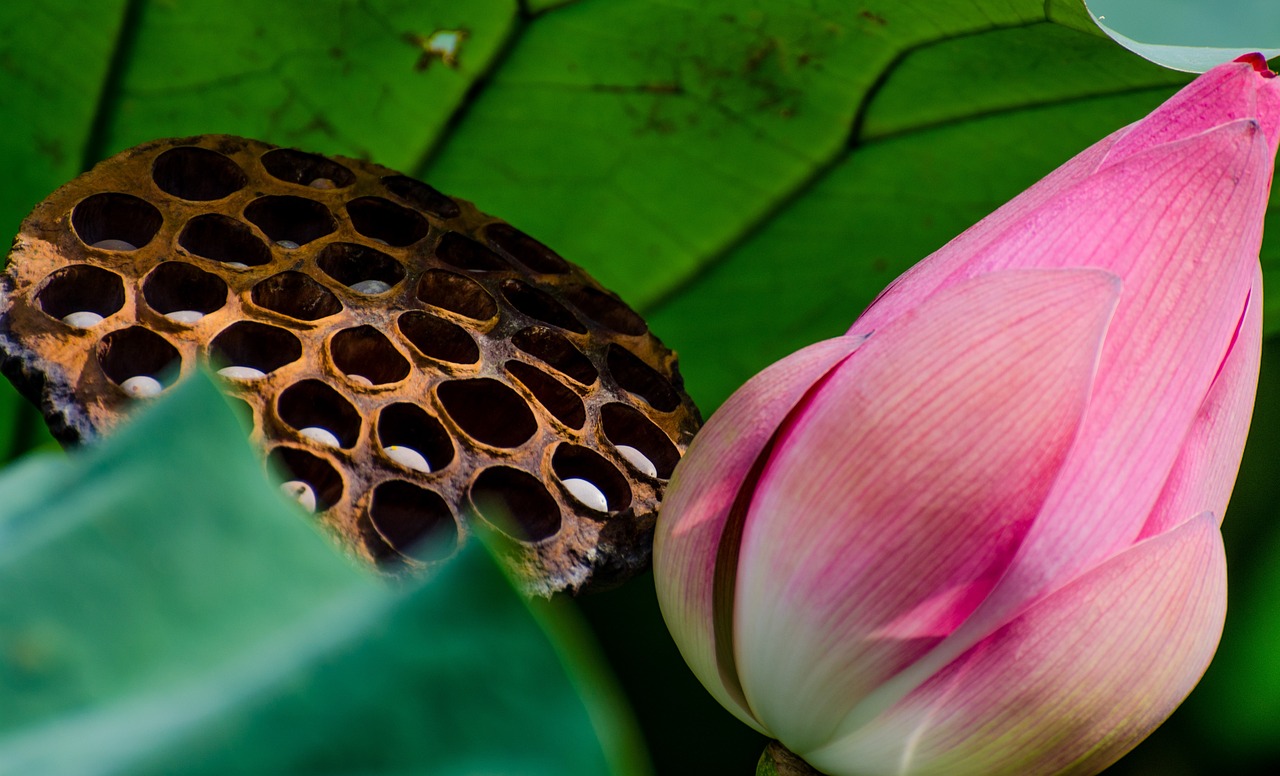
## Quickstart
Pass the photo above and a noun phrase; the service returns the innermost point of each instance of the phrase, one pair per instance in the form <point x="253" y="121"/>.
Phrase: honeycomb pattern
<point x="411" y="366"/>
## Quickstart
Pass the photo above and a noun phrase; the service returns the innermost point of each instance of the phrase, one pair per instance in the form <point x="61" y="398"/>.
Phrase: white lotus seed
<point x="408" y="458"/>
<point x="360" y="380"/>
<point x="142" y="386"/>
<point x="185" y="316"/>
<point x="82" y="320"/>
<point x="638" y="460"/>
<point x="241" y="372"/>
<point x="381" y="241"/>
<point x="300" y="492"/>
<point x="322" y="435"/>
<point x="235" y="264"/>
<point x="588" y="494"/>
<point x="322" y="183"/>
<point x="115" y="245"/>
<point x="290" y="244"/>
<point x="371" y="287"/>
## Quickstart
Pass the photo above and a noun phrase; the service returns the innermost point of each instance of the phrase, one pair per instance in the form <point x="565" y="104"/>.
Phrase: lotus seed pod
<point x="415" y="369"/>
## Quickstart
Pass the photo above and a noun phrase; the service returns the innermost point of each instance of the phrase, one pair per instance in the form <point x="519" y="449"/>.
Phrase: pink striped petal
<point x="1071" y="684"/>
<point x="1205" y="473"/>
<point x="896" y="498"/>
<point x="917" y="283"/>
<point x="700" y="497"/>
<point x="1244" y="89"/>
<point x="1234" y="90"/>
<point x="1188" y="264"/>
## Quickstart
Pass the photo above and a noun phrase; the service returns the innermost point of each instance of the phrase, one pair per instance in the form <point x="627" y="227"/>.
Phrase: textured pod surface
<point x="417" y="364"/>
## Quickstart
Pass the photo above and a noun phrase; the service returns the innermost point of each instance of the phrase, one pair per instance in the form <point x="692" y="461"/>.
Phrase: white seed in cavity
<point x="241" y="372"/>
<point x="322" y="435"/>
<point x="82" y="320"/>
<point x="360" y="380"/>
<point x="300" y="492"/>
<point x="142" y="386"/>
<point x="235" y="264"/>
<point x="290" y="244"/>
<point x="322" y="183"/>
<point x="638" y="460"/>
<point x="371" y="287"/>
<point x="588" y="494"/>
<point x="115" y="245"/>
<point x="408" y="458"/>
<point x="185" y="316"/>
<point x="381" y="241"/>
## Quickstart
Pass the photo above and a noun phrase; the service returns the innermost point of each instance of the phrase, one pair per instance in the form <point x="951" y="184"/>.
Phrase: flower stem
<point x="778" y="760"/>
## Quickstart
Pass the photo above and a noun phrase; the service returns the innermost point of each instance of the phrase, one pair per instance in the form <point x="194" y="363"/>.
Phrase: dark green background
<point x="747" y="174"/>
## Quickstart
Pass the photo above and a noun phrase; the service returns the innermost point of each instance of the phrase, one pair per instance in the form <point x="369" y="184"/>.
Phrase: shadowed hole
<point x="577" y="462"/>
<point x="176" y="285"/>
<point x="415" y="521"/>
<point x="292" y="219"/>
<point x="553" y="348"/>
<point x="540" y="305"/>
<point x="294" y="464"/>
<point x="81" y="288"/>
<point x="525" y="249"/>
<point x="223" y="239"/>
<point x="297" y="296"/>
<point x="422" y="196"/>
<point x="305" y="169"/>
<point x="349" y="264"/>
<point x="366" y="352"/>
<point x="465" y="253"/>
<point x="197" y="174"/>
<point x="136" y="352"/>
<point x="382" y="219"/>
<point x="488" y="411"/>
<point x="438" y="338"/>
<point x="257" y="345"/>
<point x="628" y="426"/>
<point x="453" y="292"/>
<point x="117" y="217"/>
<point x="408" y="425"/>
<point x="558" y="399"/>
<point x="639" y="378"/>
<point x="606" y="310"/>
<point x="313" y="403"/>
<point x="516" y="503"/>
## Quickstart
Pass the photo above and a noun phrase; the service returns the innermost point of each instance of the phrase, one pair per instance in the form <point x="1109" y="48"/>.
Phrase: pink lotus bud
<point x="979" y="534"/>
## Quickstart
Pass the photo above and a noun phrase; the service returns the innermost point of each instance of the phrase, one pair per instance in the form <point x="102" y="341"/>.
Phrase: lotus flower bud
<point x="979" y="533"/>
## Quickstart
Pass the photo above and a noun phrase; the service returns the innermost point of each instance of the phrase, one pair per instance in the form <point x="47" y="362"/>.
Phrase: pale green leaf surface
<point x="165" y="611"/>
<point x="1190" y="35"/>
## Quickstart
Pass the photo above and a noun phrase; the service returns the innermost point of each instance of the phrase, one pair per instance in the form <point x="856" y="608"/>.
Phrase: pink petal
<point x="1188" y="259"/>
<point x="1070" y="685"/>
<point x="917" y="283"/>
<point x="698" y="501"/>
<point x="895" y="499"/>
<point x="1205" y="472"/>
<point x="1228" y="92"/>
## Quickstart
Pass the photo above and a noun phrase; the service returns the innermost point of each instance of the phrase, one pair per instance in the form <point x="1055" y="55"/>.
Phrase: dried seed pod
<point x="412" y="365"/>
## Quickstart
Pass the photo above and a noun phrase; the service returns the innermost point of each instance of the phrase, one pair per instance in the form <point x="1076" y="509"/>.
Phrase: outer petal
<point x="1187" y="266"/>
<point x="1202" y="479"/>
<point x="916" y="284"/>
<point x="1071" y="684"/>
<point x="1244" y="89"/>
<point x="701" y="495"/>
<point x="1230" y="92"/>
<point x="898" y="496"/>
